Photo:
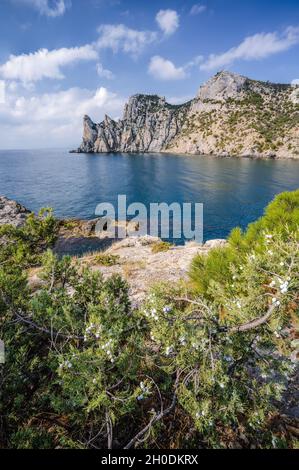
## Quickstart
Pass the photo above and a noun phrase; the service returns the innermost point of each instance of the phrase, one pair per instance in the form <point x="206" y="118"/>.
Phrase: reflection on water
<point x="233" y="191"/>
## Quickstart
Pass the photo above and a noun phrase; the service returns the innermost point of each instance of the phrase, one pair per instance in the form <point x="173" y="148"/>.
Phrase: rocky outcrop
<point x="231" y="115"/>
<point x="12" y="213"/>
<point x="149" y="124"/>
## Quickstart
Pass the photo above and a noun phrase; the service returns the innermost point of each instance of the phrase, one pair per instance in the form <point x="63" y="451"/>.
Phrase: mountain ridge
<point x="231" y="115"/>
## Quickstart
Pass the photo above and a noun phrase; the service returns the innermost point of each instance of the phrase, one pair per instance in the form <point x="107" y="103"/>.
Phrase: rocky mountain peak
<point x="222" y="86"/>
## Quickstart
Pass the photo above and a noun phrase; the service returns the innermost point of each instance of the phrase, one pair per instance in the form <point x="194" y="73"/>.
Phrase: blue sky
<point x="60" y="59"/>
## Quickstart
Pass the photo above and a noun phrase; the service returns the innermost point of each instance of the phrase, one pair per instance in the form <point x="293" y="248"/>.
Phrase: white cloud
<point x="259" y="46"/>
<point x="2" y="91"/>
<point x="44" y="63"/>
<point x="197" y="9"/>
<point x="121" y="38"/>
<point x="164" y="69"/>
<point x="104" y="73"/>
<point x="295" y="82"/>
<point x="168" y="21"/>
<point x="51" y="8"/>
<point x="53" y="119"/>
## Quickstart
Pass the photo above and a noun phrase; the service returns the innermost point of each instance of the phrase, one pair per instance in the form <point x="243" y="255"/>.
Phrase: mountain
<point x="231" y="115"/>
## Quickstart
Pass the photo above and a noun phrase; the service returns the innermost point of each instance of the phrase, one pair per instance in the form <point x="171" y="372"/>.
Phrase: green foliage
<point x="281" y="217"/>
<point x="85" y="370"/>
<point x="160" y="247"/>
<point x="107" y="259"/>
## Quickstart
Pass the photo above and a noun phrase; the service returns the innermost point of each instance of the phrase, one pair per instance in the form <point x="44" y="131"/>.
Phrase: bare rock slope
<point x="231" y="115"/>
<point x="12" y="213"/>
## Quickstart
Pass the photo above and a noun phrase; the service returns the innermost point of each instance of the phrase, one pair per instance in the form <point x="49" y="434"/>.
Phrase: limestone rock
<point x="12" y="213"/>
<point x="211" y="244"/>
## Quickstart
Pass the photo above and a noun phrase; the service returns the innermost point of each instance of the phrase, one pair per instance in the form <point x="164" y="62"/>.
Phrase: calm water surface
<point x="233" y="191"/>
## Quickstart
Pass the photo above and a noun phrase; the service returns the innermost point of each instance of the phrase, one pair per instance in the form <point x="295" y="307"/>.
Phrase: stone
<point x="12" y="213"/>
<point x="211" y="244"/>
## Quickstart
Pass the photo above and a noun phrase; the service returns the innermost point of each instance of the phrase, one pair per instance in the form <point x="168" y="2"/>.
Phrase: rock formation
<point x="231" y="115"/>
<point x="12" y="213"/>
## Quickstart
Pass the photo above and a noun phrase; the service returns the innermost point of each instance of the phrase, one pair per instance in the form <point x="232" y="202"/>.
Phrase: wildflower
<point x="94" y="381"/>
<point x="182" y="340"/>
<point x="221" y="385"/>
<point x="140" y="397"/>
<point x="167" y="309"/>
<point x="269" y="237"/>
<point x="169" y="350"/>
<point x="273" y="283"/>
<point x="270" y="253"/>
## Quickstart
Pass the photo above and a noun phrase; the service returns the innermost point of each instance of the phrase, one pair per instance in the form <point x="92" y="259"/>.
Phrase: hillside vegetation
<point x="204" y="364"/>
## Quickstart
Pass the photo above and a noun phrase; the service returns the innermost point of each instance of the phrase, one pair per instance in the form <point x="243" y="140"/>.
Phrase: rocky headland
<point x="231" y="115"/>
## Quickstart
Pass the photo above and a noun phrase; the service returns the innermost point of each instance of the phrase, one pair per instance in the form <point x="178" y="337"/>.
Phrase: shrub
<point x="188" y="369"/>
<point x="160" y="247"/>
<point x="106" y="259"/>
<point x="281" y="217"/>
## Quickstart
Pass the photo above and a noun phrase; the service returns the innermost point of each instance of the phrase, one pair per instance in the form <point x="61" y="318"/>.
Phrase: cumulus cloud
<point x="295" y="82"/>
<point x="164" y="69"/>
<point x="258" y="46"/>
<point x="104" y="73"/>
<point x="168" y="21"/>
<point x="53" y="118"/>
<point x="121" y="38"/>
<point x="197" y="9"/>
<point x="51" y="8"/>
<point x="44" y="63"/>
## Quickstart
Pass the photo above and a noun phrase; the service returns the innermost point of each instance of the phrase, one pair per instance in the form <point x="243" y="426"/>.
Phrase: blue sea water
<point x="234" y="191"/>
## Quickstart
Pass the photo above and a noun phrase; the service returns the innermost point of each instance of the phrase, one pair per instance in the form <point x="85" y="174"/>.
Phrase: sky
<point x="61" y="59"/>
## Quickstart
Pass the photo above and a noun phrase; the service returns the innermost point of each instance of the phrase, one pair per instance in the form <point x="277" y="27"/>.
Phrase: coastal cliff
<point x="231" y="115"/>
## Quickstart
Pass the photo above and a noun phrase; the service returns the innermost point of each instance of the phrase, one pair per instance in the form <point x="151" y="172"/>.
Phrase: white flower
<point x="221" y="385"/>
<point x="282" y="263"/>
<point x="273" y="283"/>
<point x="270" y="252"/>
<point x="167" y="309"/>
<point x="269" y="236"/>
<point x="169" y="350"/>
<point x="94" y="381"/>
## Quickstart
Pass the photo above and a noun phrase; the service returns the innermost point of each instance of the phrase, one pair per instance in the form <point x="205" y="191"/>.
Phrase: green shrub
<point x="106" y="259"/>
<point x="160" y="247"/>
<point x="85" y="370"/>
<point x="281" y="217"/>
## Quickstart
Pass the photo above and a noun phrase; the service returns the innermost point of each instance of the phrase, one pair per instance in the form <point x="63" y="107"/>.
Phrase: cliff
<point x="231" y="115"/>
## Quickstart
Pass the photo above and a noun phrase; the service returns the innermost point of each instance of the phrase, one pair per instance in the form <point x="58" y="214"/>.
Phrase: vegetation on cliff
<point x="199" y="365"/>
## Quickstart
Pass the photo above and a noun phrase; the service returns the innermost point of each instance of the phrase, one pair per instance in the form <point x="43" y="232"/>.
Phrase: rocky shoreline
<point x="134" y="257"/>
